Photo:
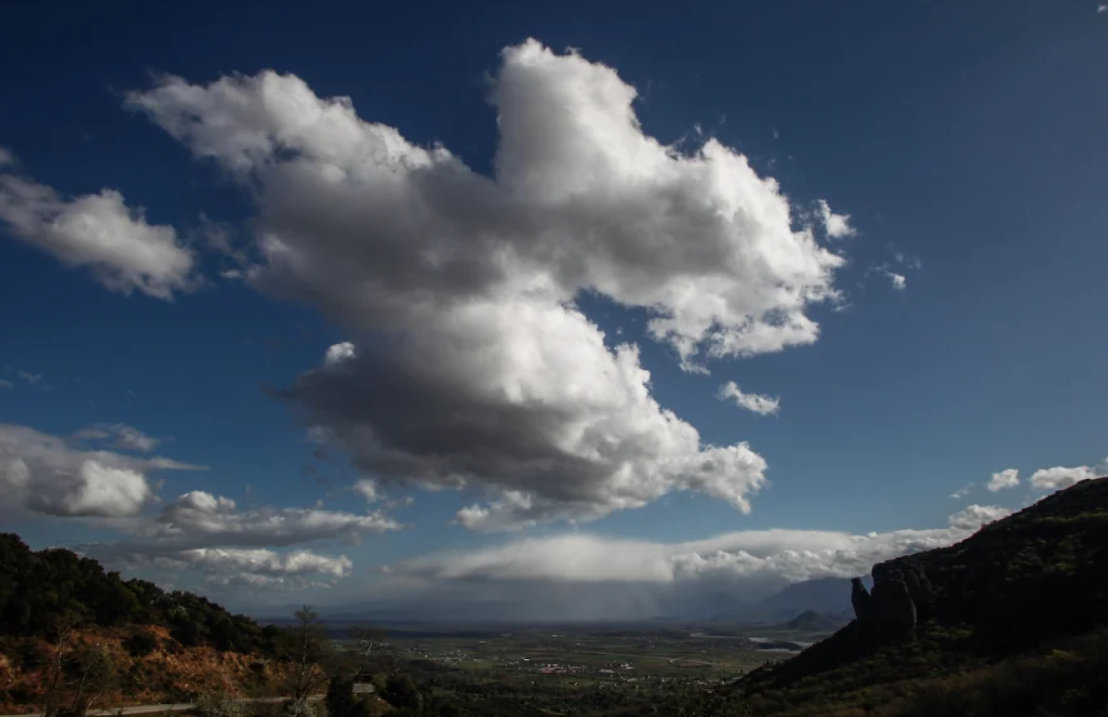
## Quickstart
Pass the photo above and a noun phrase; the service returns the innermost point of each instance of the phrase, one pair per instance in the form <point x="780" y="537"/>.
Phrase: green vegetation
<point x="40" y="591"/>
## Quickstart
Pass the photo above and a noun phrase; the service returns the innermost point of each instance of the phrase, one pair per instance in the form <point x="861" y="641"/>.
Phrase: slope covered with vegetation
<point x="39" y="590"/>
<point x="1017" y="624"/>
<point x="63" y="617"/>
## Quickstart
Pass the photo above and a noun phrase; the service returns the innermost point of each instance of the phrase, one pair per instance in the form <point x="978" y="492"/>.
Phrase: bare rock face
<point x="919" y="587"/>
<point x="893" y="608"/>
<point x="860" y="599"/>
<point x="900" y="599"/>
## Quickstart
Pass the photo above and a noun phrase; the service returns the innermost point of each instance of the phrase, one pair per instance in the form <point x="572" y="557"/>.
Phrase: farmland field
<point x="559" y="669"/>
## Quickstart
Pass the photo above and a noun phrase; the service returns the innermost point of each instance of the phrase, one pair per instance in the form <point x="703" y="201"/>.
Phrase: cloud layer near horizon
<point x="589" y="576"/>
<point x="792" y="555"/>
<point x="467" y="283"/>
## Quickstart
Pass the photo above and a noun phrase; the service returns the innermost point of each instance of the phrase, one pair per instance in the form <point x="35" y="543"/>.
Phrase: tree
<point x="62" y="628"/>
<point x="77" y="678"/>
<point x="340" y="697"/>
<point x="305" y="649"/>
<point x="93" y="670"/>
<point x="368" y="646"/>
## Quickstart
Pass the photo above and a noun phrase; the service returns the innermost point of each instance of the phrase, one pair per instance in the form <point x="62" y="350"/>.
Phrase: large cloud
<point x="469" y="363"/>
<point x="46" y="474"/>
<point x="582" y="575"/>
<point x="98" y="231"/>
<point x="792" y="555"/>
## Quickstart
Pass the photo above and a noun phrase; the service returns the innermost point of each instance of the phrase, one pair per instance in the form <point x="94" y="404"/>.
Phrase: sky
<point x="574" y="310"/>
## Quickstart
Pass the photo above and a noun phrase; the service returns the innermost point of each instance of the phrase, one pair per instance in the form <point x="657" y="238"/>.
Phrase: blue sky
<point x="965" y="144"/>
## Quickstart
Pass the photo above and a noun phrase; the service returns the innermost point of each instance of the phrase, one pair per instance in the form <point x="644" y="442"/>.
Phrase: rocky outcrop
<point x="901" y="598"/>
<point x="919" y="587"/>
<point x="894" y="612"/>
<point x="860" y="599"/>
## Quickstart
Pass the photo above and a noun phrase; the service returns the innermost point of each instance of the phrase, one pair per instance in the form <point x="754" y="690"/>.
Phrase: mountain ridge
<point x="1031" y="583"/>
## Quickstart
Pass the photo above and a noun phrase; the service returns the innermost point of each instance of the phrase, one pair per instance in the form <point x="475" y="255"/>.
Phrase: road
<point x="177" y="707"/>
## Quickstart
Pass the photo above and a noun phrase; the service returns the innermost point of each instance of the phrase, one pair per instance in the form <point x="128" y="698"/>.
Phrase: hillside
<point x="811" y="621"/>
<point x="1027" y="596"/>
<point x="160" y="646"/>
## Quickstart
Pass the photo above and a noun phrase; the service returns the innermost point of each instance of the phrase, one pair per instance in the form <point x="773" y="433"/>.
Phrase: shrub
<point x="140" y="643"/>
<point x="304" y="708"/>
<point x="218" y="704"/>
<point x="400" y="691"/>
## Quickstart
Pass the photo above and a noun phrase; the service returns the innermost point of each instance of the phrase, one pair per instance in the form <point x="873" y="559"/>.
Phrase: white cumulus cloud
<point x="230" y="547"/>
<point x="367" y="489"/>
<point x="97" y="231"/>
<point x="1060" y="477"/>
<point x="200" y="519"/>
<point x="758" y="403"/>
<point x="47" y="475"/>
<point x="490" y="377"/>
<point x="1009" y="478"/>
<point x="974" y="516"/>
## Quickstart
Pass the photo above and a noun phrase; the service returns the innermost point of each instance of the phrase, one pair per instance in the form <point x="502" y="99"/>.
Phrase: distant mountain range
<point x="830" y="596"/>
<point x="827" y="596"/>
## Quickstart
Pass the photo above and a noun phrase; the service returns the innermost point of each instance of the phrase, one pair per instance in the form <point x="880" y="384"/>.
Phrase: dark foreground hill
<point x="40" y="589"/>
<point x="160" y="646"/>
<point x="1013" y="621"/>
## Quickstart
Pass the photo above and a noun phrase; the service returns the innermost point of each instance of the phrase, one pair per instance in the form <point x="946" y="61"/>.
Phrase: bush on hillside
<point x="218" y="704"/>
<point x="304" y="708"/>
<point x="140" y="643"/>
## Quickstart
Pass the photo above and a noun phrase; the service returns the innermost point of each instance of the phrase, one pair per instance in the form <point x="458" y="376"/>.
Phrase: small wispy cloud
<point x="837" y="226"/>
<point x="762" y="405"/>
<point x="124" y="436"/>
<point x="31" y="379"/>
<point x="898" y="281"/>
<point x="908" y="260"/>
<point x="962" y="492"/>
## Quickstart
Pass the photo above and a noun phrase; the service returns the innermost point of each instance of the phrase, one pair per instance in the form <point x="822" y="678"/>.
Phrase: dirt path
<point x="176" y="707"/>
